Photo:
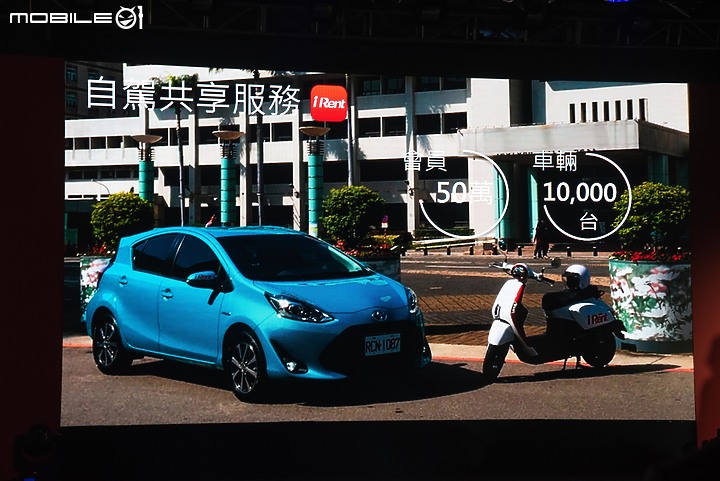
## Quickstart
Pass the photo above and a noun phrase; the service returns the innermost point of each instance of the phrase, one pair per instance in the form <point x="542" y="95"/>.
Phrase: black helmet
<point x="519" y="272"/>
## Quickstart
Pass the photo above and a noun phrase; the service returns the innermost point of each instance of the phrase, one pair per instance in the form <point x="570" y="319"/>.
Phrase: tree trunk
<point x="181" y="162"/>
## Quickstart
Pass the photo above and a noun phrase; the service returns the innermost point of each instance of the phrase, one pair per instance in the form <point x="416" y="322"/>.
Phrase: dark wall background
<point x="31" y="332"/>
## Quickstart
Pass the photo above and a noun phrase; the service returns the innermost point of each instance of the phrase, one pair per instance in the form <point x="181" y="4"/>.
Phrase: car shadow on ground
<point x="434" y="380"/>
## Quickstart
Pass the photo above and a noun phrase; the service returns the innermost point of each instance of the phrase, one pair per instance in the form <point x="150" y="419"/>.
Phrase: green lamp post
<point x="146" y="168"/>
<point x="315" y="176"/>
<point x="228" y="184"/>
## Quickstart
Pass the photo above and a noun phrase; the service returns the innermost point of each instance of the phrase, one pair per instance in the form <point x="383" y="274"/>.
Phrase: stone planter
<point x="90" y="269"/>
<point x="388" y="266"/>
<point x="653" y="301"/>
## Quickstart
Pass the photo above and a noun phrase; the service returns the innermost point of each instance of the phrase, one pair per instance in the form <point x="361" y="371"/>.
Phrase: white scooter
<point x="578" y="322"/>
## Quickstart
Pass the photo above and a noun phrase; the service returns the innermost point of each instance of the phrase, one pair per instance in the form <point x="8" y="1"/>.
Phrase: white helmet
<point x="576" y="277"/>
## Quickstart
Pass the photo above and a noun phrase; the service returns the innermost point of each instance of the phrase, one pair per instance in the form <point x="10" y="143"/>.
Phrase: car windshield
<point x="289" y="258"/>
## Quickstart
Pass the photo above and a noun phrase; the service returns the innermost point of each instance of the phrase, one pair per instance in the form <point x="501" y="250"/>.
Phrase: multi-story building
<point x="77" y="75"/>
<point x="462" y="156"/>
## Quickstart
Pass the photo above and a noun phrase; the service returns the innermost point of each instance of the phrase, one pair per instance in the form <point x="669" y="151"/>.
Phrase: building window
<point x="71" y="73"/>
<point x="184" y="136"/>
<point x="163" y="133"/>
<point x="338" y="130"/>
<point x="394" y="85"/>
<point x="205" y="134"/>
<point x="454" y="122"/>
<point x="122" y="174"/>
<point x="335" y="172"/>
<point x="370" y="86"/>
<point x="449" y="168"/>
<point x="382" y="170"/>
<point x="93" y="74"/>
<point x="573" y="119"/>
<point x="282" y="131"/>
<point x="392" y="126"/>
<point x="583" y="112"/>
<point x="71" y="100"/>
<point x="618" y="110"/>
<point x="369" y="127"/>
<point x="643" y="109"/>
<point x="274" y="173"/>
<point x="428" y="83"/>
<point x="606" y="111"/>
<point x="630" y="113"/>
<point x="428" y="124"/>
<point x="454" y="83"/>
<point x="595" y="115"/>
<point x="254" y="132"/>
<point x="74" y="175"/>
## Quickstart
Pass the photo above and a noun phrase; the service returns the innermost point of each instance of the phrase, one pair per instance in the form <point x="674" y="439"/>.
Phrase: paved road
<point x="575" y="411"/>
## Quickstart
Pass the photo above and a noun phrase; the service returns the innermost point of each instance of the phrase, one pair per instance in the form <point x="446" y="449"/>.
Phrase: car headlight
<point x="291" y="308"/>
<point x="413" y="305"/>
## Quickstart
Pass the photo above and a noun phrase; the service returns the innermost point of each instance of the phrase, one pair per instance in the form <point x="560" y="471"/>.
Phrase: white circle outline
<point x="507" y="203"/>
<point x="627" y="212"/>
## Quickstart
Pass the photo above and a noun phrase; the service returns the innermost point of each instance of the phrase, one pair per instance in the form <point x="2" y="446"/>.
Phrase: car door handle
<point x="166" y="293"/>
<point x="123" y="280"/>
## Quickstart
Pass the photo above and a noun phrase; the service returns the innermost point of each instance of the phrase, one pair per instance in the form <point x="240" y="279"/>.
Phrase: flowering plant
<point x="97" y="249"/>
<point x="90" y="271"/>
<point x="658" y="255"/>
<point x="365" y="251"/>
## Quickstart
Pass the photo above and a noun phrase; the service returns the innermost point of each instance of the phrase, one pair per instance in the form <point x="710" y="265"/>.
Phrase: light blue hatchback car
<point x="261" y="303"/>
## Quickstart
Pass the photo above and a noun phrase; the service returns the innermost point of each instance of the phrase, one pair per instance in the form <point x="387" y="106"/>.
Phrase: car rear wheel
<point x="246" y="367"/>
<point x="108" y="352"/>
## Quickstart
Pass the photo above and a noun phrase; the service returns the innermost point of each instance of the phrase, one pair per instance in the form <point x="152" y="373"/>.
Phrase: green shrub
<point x="121" y="214"/>
<point x="348" y="213"/>
<point x="659" y="218"/>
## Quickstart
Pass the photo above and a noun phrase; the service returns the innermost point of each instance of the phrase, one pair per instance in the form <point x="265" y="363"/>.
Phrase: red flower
<point x="658" y="255"/>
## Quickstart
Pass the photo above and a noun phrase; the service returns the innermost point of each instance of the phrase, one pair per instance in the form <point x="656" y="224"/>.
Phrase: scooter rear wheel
<point x="599" y="349"/>
<point x="493" y="362"/>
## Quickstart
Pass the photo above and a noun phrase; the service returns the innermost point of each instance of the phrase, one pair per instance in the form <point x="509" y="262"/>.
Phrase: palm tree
<point x="184" y="83"/>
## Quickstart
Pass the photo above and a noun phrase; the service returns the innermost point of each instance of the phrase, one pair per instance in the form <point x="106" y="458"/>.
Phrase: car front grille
<point x="346" y="354"/>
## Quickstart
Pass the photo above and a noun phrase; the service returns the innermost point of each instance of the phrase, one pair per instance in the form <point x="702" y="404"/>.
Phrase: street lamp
<point x="228" y="185"/>
<point x="315" y="175"/>
<point x="101" y="184"/>
<point x="147" y="171"/>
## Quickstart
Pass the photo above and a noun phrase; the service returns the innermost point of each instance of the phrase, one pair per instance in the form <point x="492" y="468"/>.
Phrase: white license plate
<point x="385" y="344"/>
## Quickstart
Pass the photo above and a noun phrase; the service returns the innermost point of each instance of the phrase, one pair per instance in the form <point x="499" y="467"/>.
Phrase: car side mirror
<point x="203" y="279"/>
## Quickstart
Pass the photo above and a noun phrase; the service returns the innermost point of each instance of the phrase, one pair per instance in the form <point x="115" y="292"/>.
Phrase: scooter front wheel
<point x="493" y="362"/>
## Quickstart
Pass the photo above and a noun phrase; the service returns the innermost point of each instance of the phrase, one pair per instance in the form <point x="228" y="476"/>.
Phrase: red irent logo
<point x="328" y="103"/>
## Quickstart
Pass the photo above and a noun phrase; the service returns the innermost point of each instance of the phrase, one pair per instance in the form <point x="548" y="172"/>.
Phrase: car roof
<point x="217" y="232"/>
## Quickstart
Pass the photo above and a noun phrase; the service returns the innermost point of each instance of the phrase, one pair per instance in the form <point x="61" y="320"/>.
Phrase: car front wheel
<point x="108" y="352"/>
<point x="245" y="366"/>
